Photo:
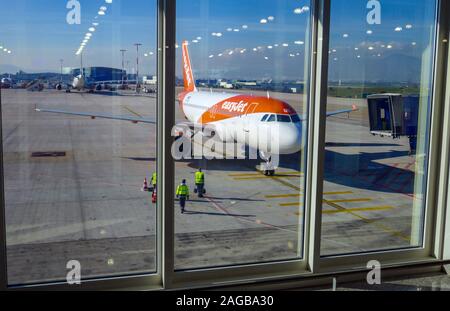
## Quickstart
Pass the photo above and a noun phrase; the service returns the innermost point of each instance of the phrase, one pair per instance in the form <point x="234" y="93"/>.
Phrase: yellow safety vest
<point x="199" y="177"/>
<point x="183" y="190"/>
<point x="154" y="179"/>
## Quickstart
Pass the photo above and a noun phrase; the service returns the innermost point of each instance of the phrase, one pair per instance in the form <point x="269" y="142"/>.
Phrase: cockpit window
<point x="271" y="118"/>
<point x="283" y="118"/>
<point x="295" y="118"/>
<point x="264" y="118"/>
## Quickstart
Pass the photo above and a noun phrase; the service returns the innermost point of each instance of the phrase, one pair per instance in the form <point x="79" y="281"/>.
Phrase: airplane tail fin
<point x="188" y="76"/>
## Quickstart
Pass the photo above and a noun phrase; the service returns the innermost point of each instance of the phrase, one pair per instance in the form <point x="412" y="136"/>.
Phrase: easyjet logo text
<point x="234" y="107"/>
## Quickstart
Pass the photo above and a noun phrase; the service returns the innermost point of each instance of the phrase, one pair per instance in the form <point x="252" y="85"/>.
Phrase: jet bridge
<point x="394" y="115"/>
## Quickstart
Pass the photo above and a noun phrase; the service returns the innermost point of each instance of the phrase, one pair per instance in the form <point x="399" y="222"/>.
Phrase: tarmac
<point x="73" y="192"/>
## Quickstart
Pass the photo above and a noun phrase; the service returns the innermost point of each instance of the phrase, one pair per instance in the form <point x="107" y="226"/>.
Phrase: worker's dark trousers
<point x="182" y="202"/>
<point x="200" y="188"/>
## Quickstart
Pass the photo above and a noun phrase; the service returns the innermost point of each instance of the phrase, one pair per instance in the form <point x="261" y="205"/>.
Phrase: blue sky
<point x="38" y="35"/>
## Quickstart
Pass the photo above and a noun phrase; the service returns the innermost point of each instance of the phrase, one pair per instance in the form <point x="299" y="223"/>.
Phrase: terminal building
<point x="98" y="74"/>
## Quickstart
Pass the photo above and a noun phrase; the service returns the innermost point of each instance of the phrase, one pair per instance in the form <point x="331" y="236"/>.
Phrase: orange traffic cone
<point x="154" y="196"/>
<point x="145" y="185"/>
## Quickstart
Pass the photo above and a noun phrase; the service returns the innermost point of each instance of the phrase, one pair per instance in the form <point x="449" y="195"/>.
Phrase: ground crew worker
<point x="183" y="194"/>
<point x="200" y="182"/>
<point x="154" y="180"/>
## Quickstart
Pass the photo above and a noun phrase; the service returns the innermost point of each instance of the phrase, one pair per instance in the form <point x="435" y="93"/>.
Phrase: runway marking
<point x="263" y="177"/>
<point x="366" y="220"/>
<point x="277" y="196"/>
<point x="337" y="192"/>
<point x="257" y="221"/>
<point x="358" y="209"/>
<point x="259" y="174"/>
<point x="291" y="204"/>
<point x="351" y="200"/>
<point x="370" y="221"/>
<point x="332" y="201"/>
<point x="132" y="111"/>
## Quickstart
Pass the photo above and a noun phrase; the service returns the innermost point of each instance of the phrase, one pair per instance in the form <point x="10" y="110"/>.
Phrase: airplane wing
<point x="180" y="126"/>
<point x="100" y="116"/>
<point x="333" y="113"/>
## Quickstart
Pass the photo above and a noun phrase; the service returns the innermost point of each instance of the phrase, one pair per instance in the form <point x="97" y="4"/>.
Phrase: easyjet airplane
<point x="266" y="124"/>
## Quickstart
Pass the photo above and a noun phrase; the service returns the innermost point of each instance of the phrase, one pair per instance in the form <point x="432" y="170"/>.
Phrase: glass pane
<point x="378" y="125"/>
<point x="238" y="61"/>
<point x="73" y="177"/>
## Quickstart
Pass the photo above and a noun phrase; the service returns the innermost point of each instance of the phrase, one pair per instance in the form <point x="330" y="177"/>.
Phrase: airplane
<point x="239" y="118"/>
<point x="6" y="83"/>
<point x="80" y="83"/>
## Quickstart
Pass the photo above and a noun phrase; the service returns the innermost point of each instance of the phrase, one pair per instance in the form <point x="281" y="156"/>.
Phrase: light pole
<point x="62" y="61"/>
<point x="123" y="63"/>
<point x="137" y="66"/>
<point x="81" y="65"/>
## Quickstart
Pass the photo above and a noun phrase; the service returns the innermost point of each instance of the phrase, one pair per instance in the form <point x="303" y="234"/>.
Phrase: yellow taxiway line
<point x="350" y="200"/>
<point x="293" y="195"/>
<point x="331" y="201"/>
<point x="358" y="209"/>
<point x="132" y="111"/>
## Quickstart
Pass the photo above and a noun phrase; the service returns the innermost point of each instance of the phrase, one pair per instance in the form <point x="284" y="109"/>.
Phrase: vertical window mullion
<point x="166" y="120"/>
<point x="321" y="25"/>
<point x="3" y="269"/>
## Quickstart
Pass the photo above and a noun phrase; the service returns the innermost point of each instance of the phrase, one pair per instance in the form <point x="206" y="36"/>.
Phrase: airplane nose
<point x="290" y="138"/>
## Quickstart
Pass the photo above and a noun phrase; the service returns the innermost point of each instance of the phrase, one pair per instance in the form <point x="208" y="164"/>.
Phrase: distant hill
<point x="391" y="68"/>
<point x="4" y="68"/>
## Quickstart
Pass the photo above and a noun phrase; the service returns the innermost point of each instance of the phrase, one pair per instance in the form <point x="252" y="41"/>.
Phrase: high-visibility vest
<point x="154" y="178"/>
<point x="199" y="177"/>
<point x="183" y="190"/>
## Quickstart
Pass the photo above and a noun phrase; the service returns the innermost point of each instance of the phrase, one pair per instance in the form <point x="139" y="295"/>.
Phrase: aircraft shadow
<point x="360" y="145"/>
<point x="143" y="159"/>
<point x="358" y="170"/>
<point x="354" y="170"/>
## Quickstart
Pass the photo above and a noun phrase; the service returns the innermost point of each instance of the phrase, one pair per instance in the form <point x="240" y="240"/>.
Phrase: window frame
<point x="436" y="247"/>
<point x="442" y="236"/>
<point x="425" y="253"/>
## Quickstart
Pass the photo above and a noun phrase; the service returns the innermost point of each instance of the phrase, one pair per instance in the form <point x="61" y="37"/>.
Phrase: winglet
<point x="188" y="76"/>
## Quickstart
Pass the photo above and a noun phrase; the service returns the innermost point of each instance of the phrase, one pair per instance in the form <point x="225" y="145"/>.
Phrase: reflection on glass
<point x="72" y="80"/>
<point x="381" y="63"/>
<point x="242" y="91"/>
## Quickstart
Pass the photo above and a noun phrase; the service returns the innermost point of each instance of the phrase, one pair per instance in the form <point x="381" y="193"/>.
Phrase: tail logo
<point x="187" y="70"/>
<point x="189" y="83"/>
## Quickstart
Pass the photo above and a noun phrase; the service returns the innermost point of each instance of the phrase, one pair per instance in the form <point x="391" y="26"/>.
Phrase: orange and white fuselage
<point x="263" y="123"/>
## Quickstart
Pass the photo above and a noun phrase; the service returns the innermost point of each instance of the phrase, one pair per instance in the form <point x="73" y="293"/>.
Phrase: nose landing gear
<point x="267" y="167"/>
